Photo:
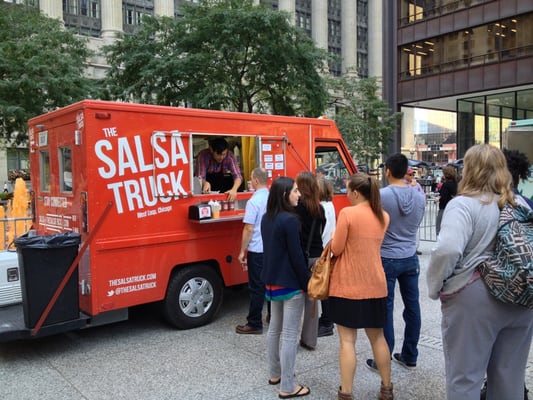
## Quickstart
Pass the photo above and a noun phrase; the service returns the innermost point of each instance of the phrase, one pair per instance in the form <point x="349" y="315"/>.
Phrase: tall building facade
<point x="349" y="29"/>
<point x="342" y="27"/>
<point x="470" y="57"/>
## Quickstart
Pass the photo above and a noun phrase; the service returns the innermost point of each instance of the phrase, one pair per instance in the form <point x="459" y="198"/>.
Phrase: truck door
<point x="59" y="210"/>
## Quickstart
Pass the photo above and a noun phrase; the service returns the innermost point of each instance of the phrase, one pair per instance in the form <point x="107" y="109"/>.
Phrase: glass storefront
<point x="483" y="119"/>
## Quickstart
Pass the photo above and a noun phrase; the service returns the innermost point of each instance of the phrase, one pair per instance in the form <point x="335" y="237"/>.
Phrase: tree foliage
<point x="41" y="67"/>
<point x="223" y="54"/>
<point x="363" y="118"/>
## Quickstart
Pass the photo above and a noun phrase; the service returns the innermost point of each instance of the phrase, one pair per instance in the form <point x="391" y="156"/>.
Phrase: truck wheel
<point x="194" y="296"/>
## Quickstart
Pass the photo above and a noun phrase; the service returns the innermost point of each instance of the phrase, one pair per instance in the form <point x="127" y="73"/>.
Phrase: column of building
<point x="375" y="39"/>
<point x="319" y="23"/>
<point x="111" y="20"/>
<point x="289" y="6"/>
<point x="164" y="8"/>
<point x="52" y="8"/>
<point x="349" y="35"/>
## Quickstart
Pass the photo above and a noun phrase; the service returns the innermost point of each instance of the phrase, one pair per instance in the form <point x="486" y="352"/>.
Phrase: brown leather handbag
<point x="318" y="286"/>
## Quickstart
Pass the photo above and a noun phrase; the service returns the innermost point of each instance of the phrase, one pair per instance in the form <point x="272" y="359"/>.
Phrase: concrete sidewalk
<point x="144" y="358"/>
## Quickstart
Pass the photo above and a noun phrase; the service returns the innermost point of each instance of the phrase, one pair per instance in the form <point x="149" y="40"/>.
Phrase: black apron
<point x="219" y="181"/>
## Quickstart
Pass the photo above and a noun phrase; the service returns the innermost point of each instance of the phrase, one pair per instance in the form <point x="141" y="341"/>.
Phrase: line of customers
<point x="294" y="230"/>
<point x="375" y="244"/>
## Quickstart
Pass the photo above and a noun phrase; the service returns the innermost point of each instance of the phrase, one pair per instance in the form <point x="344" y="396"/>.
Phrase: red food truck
<point x="123" y="177"/>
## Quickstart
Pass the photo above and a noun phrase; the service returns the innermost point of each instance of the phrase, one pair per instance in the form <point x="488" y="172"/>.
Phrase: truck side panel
<point x="140" y="161"/>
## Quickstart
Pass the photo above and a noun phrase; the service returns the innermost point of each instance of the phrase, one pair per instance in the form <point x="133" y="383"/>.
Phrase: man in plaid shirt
<point x="218" y="169"/>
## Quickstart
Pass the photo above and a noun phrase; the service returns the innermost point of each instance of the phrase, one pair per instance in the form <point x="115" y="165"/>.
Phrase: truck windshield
<point x="329" y="160"/>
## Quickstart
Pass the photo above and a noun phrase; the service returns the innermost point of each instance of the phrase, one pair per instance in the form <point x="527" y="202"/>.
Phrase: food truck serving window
<point x="65" y="169"/>
<point x="44" y="161"/>
<point x="242" y="148"/>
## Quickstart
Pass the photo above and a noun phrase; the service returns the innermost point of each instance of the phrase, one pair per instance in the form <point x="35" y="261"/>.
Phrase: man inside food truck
<point x="218" y="169"/>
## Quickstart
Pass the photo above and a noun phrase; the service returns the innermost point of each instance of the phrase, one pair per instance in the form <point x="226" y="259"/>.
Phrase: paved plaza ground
<point x="144" y="358"/>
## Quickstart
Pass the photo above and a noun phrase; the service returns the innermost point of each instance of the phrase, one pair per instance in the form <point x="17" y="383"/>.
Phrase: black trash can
<point x="43" y="262"/>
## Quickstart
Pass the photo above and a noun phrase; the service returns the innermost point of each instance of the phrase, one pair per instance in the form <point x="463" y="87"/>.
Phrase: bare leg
<point x="347" y="357"/>
<point x="381" y="352"/>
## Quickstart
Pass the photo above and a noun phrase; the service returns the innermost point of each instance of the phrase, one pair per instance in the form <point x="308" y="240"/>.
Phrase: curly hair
<point x="518" y="165"/>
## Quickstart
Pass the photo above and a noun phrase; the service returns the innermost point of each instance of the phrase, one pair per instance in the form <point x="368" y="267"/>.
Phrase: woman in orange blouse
<point x="358" y="288"/>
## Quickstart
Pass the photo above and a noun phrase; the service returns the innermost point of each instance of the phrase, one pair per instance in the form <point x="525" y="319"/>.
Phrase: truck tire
<point x="194" y="296"/>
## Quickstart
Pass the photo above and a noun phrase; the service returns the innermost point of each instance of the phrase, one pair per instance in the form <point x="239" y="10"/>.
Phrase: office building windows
<point x="133" y="13"/>
<point x="83" y="16"/>
<point x="413" y="11"/>
<point x="495" y="42"/>
<point x="86" y="8"/>
<point x="303" y="15"/>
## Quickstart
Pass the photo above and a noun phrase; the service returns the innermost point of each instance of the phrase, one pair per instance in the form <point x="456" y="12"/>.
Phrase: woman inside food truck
<point x="218" y="169"/>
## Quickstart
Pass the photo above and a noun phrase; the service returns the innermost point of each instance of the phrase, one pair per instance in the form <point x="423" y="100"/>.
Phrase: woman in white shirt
<point x="325" y="190"/>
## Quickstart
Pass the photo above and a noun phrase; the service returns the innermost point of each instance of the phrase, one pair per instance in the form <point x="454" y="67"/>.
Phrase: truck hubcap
<point x="196" y="297"/>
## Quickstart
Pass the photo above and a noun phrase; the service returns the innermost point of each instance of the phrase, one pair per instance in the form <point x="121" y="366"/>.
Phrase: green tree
<point x="41" y="68"/>
<point x="223" y="54"/>
<point x="363" y="117"/>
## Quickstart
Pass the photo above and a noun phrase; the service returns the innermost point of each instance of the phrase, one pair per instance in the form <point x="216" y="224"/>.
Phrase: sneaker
<point x="398" y="358"/>
<point x="372" y="366"/>
<point x="324" y="330"/>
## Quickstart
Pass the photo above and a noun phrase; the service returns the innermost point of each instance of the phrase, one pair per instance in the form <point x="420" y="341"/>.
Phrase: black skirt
<point x="355" y="314"/>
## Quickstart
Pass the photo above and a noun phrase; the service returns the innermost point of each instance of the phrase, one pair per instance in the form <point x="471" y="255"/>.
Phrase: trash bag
<point x="54" y="241"/>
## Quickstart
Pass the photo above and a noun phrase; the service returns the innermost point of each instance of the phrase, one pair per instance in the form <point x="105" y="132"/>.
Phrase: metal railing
<point x="11" y="228"/>
<point x="428" y="228"/>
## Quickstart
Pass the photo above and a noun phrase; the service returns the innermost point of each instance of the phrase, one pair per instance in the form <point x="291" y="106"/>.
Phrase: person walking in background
<point x="410" y="181"/>
<point x="447" y="191"/>
<point x="358" y="286"/>
<point x="251" y="252"/>
<point x="400" y="261"/>
<point x="313" y="220"/>
<point x="480" y="334"/>
<point x="285" y="274"/>
<point x="325" y="190"/>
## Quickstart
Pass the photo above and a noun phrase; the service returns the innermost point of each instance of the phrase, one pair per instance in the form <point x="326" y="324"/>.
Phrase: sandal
<point x="298" y="393"/>
<point x="274" y="381"/>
